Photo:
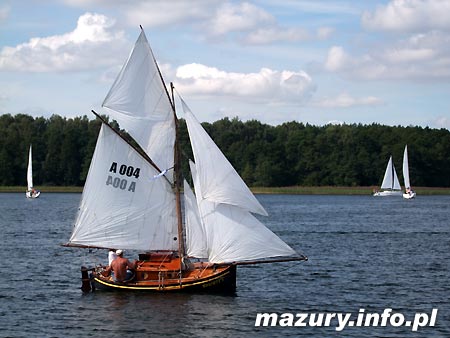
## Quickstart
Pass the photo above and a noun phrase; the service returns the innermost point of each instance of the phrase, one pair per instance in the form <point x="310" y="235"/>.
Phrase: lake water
<point x="364" y="253"/>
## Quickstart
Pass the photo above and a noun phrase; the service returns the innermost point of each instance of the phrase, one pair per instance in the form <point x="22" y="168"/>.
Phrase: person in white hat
<point x="121" y="268"/>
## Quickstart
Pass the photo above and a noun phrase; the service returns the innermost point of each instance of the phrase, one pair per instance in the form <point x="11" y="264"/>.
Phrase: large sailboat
<point x="31" y="192"/>
<point x="409" y="193"/>
<point x="390" y="185"/>
<point x="132" y="199"/>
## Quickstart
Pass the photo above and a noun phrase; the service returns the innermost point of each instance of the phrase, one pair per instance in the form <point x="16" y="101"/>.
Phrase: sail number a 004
<point x="123" y="183"/>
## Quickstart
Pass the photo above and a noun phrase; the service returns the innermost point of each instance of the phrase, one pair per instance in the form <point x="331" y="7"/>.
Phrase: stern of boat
<point x="409" y="195"/>
<point x="86" y="280"/>
<point x="32" y="194"/>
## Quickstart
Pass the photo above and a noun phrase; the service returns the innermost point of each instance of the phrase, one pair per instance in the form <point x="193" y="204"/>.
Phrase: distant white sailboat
<point x="391" y="185"/>
<point x="31" y="192"/>
<point x="409" y="193"/>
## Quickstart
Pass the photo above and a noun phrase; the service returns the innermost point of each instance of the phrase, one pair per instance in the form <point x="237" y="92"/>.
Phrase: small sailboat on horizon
<point x="132" y="199"/>
<point x="390" y="185"/>
<point x="31" y="192"/>
<point x="409" y="193"/>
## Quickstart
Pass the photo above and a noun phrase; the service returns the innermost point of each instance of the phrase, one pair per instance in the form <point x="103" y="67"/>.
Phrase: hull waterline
<point x="387" y="193"/>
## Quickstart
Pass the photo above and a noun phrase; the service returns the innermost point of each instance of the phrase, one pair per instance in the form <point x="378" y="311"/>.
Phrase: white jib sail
<point x="123" y="205"/>
<point x="406" y="168"/>
<point x="195" y="233"/>
<point x="234" y="234"/>
<point x="390" y="180"/>
<point x="138" y="101"/>
<point x="396" y="185"/>
<point x="219" y="181"/>
<point x="387" y="179"/>
<point x="30" y="171"/>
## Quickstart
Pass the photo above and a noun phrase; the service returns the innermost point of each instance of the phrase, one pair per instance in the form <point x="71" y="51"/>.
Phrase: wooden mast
<point x="177" y="180"/>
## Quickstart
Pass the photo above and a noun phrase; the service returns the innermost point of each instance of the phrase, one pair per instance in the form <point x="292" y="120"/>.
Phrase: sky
<point x="315" y="62"/>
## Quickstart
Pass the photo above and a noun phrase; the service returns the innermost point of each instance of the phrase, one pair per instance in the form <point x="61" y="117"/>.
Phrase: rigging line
<point x="201" y="273"/>
<point x="143" y="154"/>
<point x="167" y="255"/>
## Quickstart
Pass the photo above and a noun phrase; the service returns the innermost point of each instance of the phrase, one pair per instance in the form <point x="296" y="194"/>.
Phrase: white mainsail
<point x="139" y="102"/>
<point x="127" y="203"/>
<point x="234" y="234"/>
<point x="195" y="233"/>
<point x="390" y="180"/>
<point x="30" y="171"/>
<point x="219" y="181"/>
<point x="406" y="168"/>
<point x="123" y="205"/>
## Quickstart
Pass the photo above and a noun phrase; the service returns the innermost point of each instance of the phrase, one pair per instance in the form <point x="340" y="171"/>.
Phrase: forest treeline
<point x="289" y="154"/>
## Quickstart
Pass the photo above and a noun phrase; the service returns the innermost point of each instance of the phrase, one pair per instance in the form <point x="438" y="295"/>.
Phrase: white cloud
<point x="365" y="67"/>
<point x="275" y="34"/>
<point x="318" y="7"/>
<point x="440" y="122"/>
<point x="93" y="43"/>
<point x="409" y="16"/>
<point x="423" y="53"/>
<point x="344" y="100"/>
<point x="409" y="55"/>
<point x="337" y="59"/>
<point x="422" y="56"/>
<point x="242" y="17"/>
<point x="251" y="25"/>
<point x="4" y="13"/>
<point x="168" y="13"/>
<point x="154" y="13"/>
<point x="324" y="33"/>
<point x="268" y="86"/>
<point x="214" y="19"/>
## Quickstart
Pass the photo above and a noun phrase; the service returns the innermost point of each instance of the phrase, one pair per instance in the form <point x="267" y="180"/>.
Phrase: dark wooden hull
<point x="221" y="282"/>
<point x="164" y="276"/>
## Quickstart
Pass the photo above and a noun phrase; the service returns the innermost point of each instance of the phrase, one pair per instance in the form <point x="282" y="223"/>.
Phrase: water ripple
<point x="363" y="253"/>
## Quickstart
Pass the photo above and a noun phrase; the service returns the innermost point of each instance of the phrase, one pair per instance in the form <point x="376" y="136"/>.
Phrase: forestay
<point x="123" y="205"/>
<point x="219" y="181"/>
<point x="234" y="234"/>
<point x="138" y="100"/>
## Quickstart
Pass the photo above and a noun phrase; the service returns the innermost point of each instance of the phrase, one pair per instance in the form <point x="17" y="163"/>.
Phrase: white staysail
<point x="406" y="168"/>
<point x="123" y="204"/>
<point x="234" y="234"/>
<point x="219" y="181"/>
<point x="138" y="100"/>
<point x="390" y="180"/>
<point x="30" y="171"/>
<point x="195" y="233"/>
